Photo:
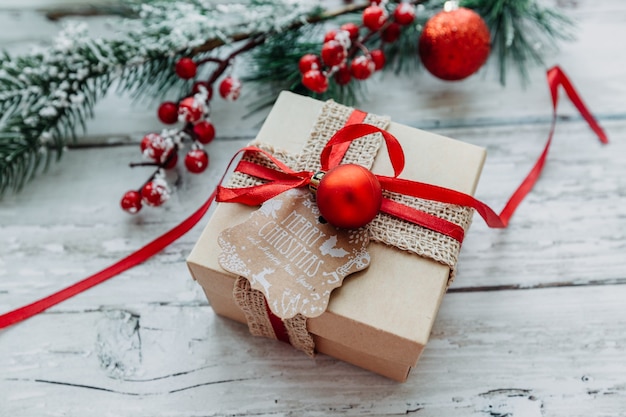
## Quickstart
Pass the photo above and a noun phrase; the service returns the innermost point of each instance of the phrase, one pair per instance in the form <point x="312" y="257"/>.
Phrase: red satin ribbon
<point x="289" y="179"/>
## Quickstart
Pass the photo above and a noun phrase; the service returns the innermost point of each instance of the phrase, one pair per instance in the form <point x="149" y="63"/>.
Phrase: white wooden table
<point x="535" y="324"/>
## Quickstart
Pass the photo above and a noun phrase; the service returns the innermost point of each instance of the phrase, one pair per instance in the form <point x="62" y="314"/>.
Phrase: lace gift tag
<point x="292" y="257"/>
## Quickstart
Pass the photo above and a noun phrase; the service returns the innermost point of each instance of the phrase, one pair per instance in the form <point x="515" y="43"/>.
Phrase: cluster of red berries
<point x="161" y="149"/>
<point x="338" y="58"/>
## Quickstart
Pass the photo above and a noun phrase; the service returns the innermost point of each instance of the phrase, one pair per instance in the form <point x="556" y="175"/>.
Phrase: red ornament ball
<point x="374" y="17"/>
<point x="349" y="196"/>
<point x="170" y="160"/>
<point x="454" y="44"/>
<point x="379" y="59"/>
<point x="168" y="112"/>
<point x="204" y="132"/>
<point x="352" y="29"/>
<point x="190" y="110"/>
<point x="362" y="67"/>
<point x="131" y="202"/>
<point x="230" y="88"/>
<point x="186" y="68"/>
<point x="330" y="35"/>
<point x="154" y="146"/>
<point x="315" y="81"/>
<point x="404" y="14"/>
<point x="391" y="33"/>
<point x="342" y="75"/>
<point x="196" y="161"/>
<point x="155" y="193"/>
<point x="333" y="53"/>
<point x="309" y="62"/>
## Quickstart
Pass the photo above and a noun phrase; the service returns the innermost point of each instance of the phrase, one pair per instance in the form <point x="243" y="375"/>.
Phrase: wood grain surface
<point x="534" y="325"/>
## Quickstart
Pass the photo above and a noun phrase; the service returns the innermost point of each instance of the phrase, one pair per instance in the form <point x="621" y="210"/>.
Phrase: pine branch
<point x="522" y="32"/>
<point x="46" y="96"/>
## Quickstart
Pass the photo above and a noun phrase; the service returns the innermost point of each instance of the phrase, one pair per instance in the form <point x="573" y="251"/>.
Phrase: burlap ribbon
<point x="384" y="228"/>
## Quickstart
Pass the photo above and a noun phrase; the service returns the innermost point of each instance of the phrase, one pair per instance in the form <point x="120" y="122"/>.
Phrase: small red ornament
<point x="168" y="112"/>
<point x="195" y="89"/>
<point x="343" y="76"/>
<point x="404" y="14"/>
<point x="374" y="17"/>
<point x="349" y="196"/>
<point x="186" y="68"/>
<point x="454" y="44"/>
<point x="315" y="81"/>
<point x="333" y="53"/>
<point x="196" y="160"/>
<point x="391" y="33"/>
<point x="378" y="56"/>
<point x="352" y="29"/>
<point x="171" y="159"/>
<point x="131" y="202"/>
<point x="230" y="88"/>
<point x="309" y="62"/>
<point x="330" y="35"/>
<point x="190" y="110"/>
<point x="362" y="67"/>
<point x="204" y="132"/>
<point x="154" y="146"/>
<point x="155" y="193"/>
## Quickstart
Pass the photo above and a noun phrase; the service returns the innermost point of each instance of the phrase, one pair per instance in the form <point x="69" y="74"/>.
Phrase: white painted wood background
<point x="535" y="324"/>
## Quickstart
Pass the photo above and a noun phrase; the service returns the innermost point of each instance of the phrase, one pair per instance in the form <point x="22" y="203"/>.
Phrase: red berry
<point x="190" y="109"/>
<point x="378" y="56"/>
<point x="362" y="68"/>
<point x="168" y="112"/>
<point x="309" y="62"/>
<point x="195" y="89"/>
<point x="352" y="29"/>
<point x="155" y="193"/>
<point x="330" y="35"/>
<point x="204" y="131"/>
<point x="343" y="76"/>
<point x="374" y="17"/>
<point x="315" y="81"/>
<point x="131" y="202"/>
<point x="186" y="68"/>
<point x="154" y="146"/>
<point x="230" y="88"/>
<point x="171" y="159"/>
<point x="391" y="33"/>
<point x="196" y="161"/>
<point x="333" y="53"/>
<point x="404" y="14"/>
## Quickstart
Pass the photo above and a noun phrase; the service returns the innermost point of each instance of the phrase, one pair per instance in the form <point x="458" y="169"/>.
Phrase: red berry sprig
<point x="161" y="149"/>
<point x="343" y="55"/>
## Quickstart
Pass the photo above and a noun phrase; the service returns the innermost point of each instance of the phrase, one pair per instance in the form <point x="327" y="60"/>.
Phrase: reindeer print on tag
<point x="290" y="256"/>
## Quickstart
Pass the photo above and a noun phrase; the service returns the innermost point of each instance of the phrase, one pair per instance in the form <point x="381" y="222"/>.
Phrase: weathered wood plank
<point x="507" y="353"/>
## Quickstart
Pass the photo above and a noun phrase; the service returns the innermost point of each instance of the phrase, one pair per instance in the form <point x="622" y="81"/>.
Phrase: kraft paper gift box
<point x="380" y="319"/>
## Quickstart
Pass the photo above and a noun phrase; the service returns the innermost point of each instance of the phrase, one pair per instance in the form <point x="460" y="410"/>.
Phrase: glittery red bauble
<point x="349" y="196"/>
<point x="315" y="81"/>
<point x="454" y="44"/>
<point x="186" y="68"/>
<point x="204" y="132"/>
<point x="190" y="109"/>
<point x="196" y="161"/>
<point x="168" y="112"/>
<point x="155" y="193"/>
<point x="333" y="53"/>
<point x="131" y="202"/>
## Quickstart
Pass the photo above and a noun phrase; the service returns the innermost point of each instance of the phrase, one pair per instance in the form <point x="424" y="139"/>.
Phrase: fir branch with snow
<point x="46" y="96"/>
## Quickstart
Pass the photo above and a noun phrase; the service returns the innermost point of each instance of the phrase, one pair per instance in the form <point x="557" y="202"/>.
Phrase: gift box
<point x="381" y="317"/>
